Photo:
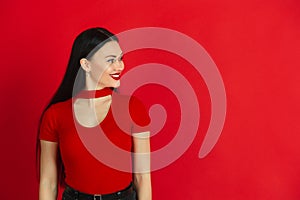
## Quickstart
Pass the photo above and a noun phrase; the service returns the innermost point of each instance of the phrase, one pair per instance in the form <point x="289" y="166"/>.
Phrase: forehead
<point x="109" y="48"/>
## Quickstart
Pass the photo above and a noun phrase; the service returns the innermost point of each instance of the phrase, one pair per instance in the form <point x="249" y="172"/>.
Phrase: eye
<point x="111" y="61"/>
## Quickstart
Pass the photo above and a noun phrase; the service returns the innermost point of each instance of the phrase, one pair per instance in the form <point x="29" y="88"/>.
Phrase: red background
<point x="255" y="46"/>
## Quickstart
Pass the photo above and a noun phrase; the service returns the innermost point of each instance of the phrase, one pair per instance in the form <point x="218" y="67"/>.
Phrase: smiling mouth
<point x="116" y="76"/>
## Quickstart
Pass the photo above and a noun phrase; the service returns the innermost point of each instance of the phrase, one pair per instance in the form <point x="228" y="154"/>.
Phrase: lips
<point x="116" y="76"/>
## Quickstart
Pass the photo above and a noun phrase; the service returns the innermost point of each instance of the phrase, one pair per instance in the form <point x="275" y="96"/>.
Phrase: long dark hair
<point x="84" y="46"/>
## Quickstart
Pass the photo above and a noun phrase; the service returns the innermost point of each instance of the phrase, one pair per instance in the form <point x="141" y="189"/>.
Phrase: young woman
<point x="84" y="102"/>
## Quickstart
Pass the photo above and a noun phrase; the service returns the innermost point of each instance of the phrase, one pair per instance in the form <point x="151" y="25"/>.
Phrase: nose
<point x="119" y="65"/>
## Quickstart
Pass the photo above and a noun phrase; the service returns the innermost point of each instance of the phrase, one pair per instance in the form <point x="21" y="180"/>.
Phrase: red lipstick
<point x="116" y="76"/>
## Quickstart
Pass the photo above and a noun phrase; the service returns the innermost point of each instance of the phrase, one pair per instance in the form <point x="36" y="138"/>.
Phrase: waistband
<point x="112" y="196"/>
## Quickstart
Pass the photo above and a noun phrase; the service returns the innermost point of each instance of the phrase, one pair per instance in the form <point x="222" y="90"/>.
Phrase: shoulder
<point x="55" y="110"/>
<point x="137" y="109"/>
<point x="60" y="106"/>
<point x="126" y="99"/>
<point x="52" y="121"/>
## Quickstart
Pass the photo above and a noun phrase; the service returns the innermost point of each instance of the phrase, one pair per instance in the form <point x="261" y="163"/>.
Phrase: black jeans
<point x="71" y="194"/>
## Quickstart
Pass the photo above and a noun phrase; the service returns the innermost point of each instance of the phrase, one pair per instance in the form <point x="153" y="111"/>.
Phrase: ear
<point x="84" y="63"/>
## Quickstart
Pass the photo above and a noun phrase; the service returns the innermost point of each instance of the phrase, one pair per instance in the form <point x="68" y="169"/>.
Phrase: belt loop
<point x="76" y="195"/>
<point x="95" y="197"/>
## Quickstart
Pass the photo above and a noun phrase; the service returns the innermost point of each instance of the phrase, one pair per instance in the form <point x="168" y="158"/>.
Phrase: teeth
<point x="115" y="75"/>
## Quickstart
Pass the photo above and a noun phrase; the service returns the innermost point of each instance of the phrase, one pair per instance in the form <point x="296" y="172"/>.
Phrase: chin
<point x="116" y="85"/>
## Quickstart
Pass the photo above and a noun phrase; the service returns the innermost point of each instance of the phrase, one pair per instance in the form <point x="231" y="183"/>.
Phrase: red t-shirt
<point x="82" y="170"/>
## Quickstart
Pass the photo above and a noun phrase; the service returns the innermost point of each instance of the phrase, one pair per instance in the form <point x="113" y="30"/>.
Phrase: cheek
<point x="107" y="72"/>
<point x="106" y="77"/>
<point x="99" y="71"/>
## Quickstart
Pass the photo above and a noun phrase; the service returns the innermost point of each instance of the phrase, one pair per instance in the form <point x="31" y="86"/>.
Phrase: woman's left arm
<point x="141" y="165"/>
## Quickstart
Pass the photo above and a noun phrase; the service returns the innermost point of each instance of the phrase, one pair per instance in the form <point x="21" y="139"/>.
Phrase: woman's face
<point x="106" y="66"/>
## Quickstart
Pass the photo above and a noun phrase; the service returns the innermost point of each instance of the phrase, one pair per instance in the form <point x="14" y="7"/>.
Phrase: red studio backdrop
<point x="256" y="46"/>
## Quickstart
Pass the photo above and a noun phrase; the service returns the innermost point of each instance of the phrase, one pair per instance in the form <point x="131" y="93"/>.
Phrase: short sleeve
<point x="48" y="126"/>
<point x="139" y="115"/>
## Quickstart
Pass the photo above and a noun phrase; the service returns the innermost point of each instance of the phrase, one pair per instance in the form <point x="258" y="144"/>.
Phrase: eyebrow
<point x="114" y="56"/>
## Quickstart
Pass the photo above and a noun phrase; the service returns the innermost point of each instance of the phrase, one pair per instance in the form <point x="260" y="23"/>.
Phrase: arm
<point x="48" y="171"/>
<point x="141" y="165"/>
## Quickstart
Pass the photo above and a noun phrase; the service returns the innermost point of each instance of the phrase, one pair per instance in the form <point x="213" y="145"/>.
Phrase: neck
<point x="91" y="94"/>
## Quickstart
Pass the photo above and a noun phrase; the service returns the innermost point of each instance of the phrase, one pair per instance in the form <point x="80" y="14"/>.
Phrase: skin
<point x="106" y="61"/>
<point x="90" y="112"/>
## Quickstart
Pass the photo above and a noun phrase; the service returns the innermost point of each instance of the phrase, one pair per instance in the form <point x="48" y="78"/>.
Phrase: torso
<point x="83" y="170"/>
